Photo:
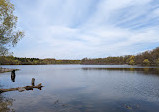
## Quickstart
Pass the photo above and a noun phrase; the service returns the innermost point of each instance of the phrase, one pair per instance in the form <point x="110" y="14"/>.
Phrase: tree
<point x="157" y="62"/>
<point x="146" y="62"/>
<point x="9" y="36"/>
<point x="131" y="61"/>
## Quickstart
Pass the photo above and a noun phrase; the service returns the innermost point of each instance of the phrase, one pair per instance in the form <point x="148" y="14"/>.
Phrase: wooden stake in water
<point x="33" y="82"/>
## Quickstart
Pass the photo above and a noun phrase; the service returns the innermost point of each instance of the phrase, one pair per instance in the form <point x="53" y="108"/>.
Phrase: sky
<point x="75" y="29"/>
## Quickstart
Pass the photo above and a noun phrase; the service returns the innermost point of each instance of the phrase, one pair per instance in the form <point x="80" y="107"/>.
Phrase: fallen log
<point x="21" y="89"/>
<point x="2" y="70"/>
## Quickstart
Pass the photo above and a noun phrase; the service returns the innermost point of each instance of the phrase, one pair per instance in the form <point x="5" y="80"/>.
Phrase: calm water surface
<point x="82" y="88"/>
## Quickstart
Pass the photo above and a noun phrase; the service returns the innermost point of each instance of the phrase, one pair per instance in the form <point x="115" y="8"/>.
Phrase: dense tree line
<point x="11" y="60"/>
<point x="145" y="58"/>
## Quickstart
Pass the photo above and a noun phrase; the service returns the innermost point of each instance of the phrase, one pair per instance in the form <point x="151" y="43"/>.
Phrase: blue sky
<point x="75" y="29"/>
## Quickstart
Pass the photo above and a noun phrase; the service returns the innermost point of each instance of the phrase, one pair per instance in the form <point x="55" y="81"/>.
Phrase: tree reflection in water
<point x="144" y="70"/>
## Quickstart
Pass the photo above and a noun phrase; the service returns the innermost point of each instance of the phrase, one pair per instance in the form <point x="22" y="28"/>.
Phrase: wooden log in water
<point x="20" y="89"/>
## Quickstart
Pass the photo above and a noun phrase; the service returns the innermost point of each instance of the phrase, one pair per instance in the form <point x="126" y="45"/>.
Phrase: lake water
<point x="82" y="88"/>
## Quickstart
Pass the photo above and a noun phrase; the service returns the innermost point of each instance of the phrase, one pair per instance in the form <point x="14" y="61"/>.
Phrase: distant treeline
<point x="145" y="58"/>
<point x="11" y="60"/>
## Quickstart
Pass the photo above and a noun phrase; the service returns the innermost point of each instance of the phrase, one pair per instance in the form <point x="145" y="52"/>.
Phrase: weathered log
<point x="20" y="89"/>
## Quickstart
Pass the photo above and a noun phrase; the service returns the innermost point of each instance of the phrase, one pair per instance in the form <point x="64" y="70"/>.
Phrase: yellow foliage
<point x="146" y="62"/>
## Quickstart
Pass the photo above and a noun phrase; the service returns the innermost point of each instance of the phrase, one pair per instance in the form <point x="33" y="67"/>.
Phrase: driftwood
<point x="20" y="89"/>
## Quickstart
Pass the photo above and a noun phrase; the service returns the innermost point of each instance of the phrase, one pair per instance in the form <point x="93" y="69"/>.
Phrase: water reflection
<point x="147" y="70"/>
<point x="74" y="88"/>
<point x="129" y="105"/>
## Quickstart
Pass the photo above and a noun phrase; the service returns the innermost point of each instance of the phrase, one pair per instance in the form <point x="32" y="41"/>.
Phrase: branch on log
<point x="21" y="89"/>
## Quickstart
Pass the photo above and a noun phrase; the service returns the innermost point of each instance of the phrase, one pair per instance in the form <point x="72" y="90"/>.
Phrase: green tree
<point x="9" y="36"/>
<point x="131" y="61"/>
<point x="146" y="62"/>
<point x="35" y="62"/>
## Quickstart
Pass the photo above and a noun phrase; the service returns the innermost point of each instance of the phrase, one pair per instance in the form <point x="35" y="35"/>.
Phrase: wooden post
<point x="33" y="82"/>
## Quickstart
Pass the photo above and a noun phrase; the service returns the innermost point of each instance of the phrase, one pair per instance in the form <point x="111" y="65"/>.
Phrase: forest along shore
<point x="2" y="70"/>
<point x="147" y="58"/>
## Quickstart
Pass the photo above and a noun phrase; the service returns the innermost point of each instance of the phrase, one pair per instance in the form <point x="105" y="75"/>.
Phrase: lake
<point x="82" y="88"/>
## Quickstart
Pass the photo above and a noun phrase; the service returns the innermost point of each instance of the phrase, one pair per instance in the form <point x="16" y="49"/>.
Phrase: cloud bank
<point x="74" y="29"/>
